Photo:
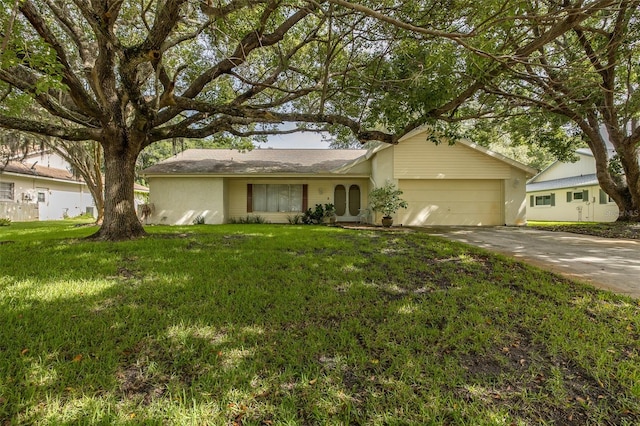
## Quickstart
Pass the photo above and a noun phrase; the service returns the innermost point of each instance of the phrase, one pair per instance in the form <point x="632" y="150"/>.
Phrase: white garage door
<point x="452" y="202"/>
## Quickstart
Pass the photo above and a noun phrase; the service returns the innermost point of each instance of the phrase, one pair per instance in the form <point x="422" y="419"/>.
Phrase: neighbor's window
<point x="543" y="200"/>
<point x="276" y="198"/>
<point x="6" y="190"/>
<point x="605" y="198"/>
<point x="577" y="196"/>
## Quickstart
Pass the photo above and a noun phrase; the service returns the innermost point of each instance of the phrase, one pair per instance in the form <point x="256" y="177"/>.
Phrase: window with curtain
<point x="276" y="198"/>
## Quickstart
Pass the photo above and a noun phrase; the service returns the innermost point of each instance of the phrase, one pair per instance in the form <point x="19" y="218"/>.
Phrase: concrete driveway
<point x="606" y="263"/>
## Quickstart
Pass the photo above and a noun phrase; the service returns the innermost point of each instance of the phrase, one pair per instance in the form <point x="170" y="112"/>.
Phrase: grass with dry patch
<point x="272" y="325"/>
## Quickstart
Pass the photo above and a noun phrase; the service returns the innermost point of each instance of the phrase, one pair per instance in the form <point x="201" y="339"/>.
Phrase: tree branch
<point x="249" y="43"/>
<point x="76" y="89"/>
<point x="38" y="127"/>
<point x="25" y="79"/>
<point x="233" y="6"/>
<point x="76" y="34"/>
<point x="400" y="24"/>
<point x="229" y="116"/>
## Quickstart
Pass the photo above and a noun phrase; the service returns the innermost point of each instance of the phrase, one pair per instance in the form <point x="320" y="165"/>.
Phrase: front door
<point x="43" y="204"/>
<point x="347" y="202"/>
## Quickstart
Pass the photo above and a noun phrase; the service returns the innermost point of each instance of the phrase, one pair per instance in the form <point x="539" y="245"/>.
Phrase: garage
<point x="452" y="202"/>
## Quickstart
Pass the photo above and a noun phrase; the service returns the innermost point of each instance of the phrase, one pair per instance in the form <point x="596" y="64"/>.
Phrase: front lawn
<point x="302" y="325"/>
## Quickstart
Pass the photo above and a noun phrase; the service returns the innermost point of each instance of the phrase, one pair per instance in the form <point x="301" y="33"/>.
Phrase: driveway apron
<point x="611" y="264"/>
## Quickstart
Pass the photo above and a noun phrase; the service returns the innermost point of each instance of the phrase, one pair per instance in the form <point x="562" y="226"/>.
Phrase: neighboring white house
<point x="461" y="184"/>
<point x="570" y="192"/>
<point x="41" y="187"/>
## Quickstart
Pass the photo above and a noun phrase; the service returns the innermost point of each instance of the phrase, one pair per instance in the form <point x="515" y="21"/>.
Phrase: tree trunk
<point x="630" y="210"/>
<point x="98" y="183"/>
<point x="99" y="200"/>
<point x="624" y="189"/>
<point x="120" y="219"/>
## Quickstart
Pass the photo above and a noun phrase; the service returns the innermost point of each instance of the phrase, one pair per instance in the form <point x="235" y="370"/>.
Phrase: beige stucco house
<point x="570" y="192"/>
<point x="460" y="184"/>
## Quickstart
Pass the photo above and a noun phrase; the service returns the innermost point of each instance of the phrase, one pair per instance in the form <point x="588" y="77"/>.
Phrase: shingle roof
<point x="569" y="182"/>
<point x="36" y="170"/>
<point x="267" y="161"/>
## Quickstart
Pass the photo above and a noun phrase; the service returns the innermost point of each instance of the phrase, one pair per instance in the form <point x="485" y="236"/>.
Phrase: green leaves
<point x="386" y="199"/>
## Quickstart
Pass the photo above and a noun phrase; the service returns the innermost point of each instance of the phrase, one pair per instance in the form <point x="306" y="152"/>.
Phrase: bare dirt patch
<point x="522" y="368"/>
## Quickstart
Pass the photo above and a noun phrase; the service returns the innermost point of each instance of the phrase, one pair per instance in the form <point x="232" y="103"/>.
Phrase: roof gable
<point x="561" y="170"/>
<point x="478" y="150"/>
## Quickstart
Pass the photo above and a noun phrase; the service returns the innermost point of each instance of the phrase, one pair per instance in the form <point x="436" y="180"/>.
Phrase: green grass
<point x="288" y="325"/>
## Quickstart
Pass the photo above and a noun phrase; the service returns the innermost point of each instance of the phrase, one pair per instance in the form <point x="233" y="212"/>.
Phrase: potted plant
<point x="386" y="200"/>
<point x="330" y="213"/>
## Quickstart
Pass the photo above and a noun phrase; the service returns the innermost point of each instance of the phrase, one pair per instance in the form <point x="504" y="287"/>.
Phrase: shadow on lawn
<point x="207" y="331"/>
<point x="102" y="357"/>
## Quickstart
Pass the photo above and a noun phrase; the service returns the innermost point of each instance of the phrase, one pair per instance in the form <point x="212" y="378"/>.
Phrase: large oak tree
<point x="588" y="78"/>
<point x="129" y="73"/>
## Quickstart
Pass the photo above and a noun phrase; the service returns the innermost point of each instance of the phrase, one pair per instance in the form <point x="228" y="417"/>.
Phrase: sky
<point x="300" y="140"/>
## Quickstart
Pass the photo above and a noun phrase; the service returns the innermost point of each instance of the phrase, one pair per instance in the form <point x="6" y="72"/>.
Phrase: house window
<point x="276" y="198"/>
<point x="41" y="196"/>
<point x="605" y="198"/>
<point x="577" y="196"/>
<point x="543" y="200"/>
<point x="6" y="190"/>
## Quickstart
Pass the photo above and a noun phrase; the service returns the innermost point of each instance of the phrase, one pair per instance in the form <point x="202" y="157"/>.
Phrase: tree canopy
<point x="555" y="74"/>
<point x="127" y="74"/>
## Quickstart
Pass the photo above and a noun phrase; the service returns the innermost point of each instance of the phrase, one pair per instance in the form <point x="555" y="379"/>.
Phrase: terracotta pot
<point x="387" y="222"/>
